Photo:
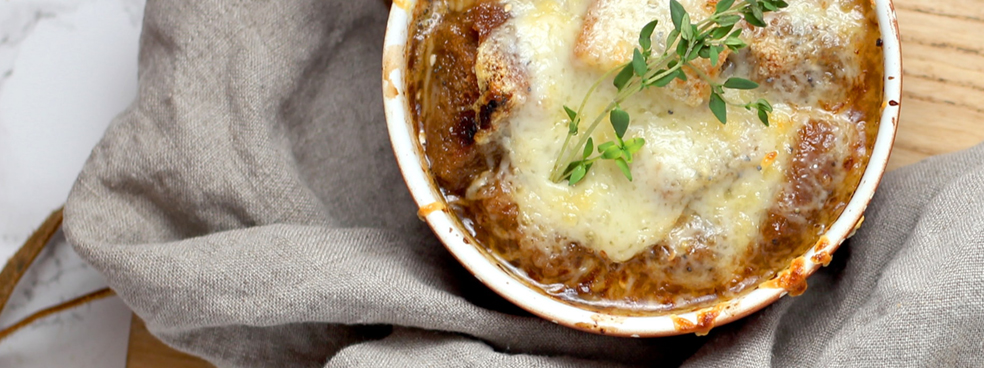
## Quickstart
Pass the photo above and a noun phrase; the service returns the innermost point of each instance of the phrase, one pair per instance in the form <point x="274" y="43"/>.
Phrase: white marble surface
<point x="93" y="335"/>
<point x="67" y="67"/>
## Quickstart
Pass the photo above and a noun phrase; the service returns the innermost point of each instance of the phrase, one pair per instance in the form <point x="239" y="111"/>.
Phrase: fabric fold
<point x="248" y="207"/>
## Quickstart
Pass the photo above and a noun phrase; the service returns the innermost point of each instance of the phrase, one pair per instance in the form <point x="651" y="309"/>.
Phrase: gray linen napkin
<point x="248" y="207"/>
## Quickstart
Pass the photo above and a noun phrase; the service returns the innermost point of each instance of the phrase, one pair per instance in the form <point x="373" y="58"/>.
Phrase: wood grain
<point x="146" y="351"/>
<point x="942" y="111"/>
<point x="943" y="83"/>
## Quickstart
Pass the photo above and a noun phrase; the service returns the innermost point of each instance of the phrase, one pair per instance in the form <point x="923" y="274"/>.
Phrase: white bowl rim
<point x="411" y="161"/>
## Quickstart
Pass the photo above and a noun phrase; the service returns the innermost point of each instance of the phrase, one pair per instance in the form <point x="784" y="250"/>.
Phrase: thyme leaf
<point x="688" y="41"/>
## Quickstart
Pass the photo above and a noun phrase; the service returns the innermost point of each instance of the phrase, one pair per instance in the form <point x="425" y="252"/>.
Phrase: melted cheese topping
<point x="695" y="177"/>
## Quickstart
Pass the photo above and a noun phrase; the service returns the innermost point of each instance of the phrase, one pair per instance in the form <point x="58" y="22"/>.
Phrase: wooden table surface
<point x="942" y="111"/>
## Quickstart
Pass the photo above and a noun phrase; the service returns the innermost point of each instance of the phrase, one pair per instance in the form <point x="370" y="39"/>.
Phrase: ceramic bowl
<point x="425" y="192"/>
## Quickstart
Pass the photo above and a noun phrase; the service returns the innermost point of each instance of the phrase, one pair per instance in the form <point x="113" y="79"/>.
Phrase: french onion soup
<point x="714" y="165"/>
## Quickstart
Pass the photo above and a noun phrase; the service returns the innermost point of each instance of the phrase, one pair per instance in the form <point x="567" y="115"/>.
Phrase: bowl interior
<point x="412" y="163"/>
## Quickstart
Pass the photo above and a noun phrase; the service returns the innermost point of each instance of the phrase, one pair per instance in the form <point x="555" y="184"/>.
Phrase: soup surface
<point x="713" y="209"/>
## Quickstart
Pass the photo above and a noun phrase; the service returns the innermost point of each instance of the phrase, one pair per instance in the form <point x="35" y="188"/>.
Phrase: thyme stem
<point x="687" y="42"/>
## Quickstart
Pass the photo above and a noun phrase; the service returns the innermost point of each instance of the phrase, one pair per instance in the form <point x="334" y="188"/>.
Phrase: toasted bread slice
<point x="611" y="31"/>
<point x="799" y="55"/>
<point x="502" y="81"/>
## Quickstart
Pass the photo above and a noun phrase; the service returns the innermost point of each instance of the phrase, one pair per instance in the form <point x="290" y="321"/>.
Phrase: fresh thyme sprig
<point x="687" y="42"/>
